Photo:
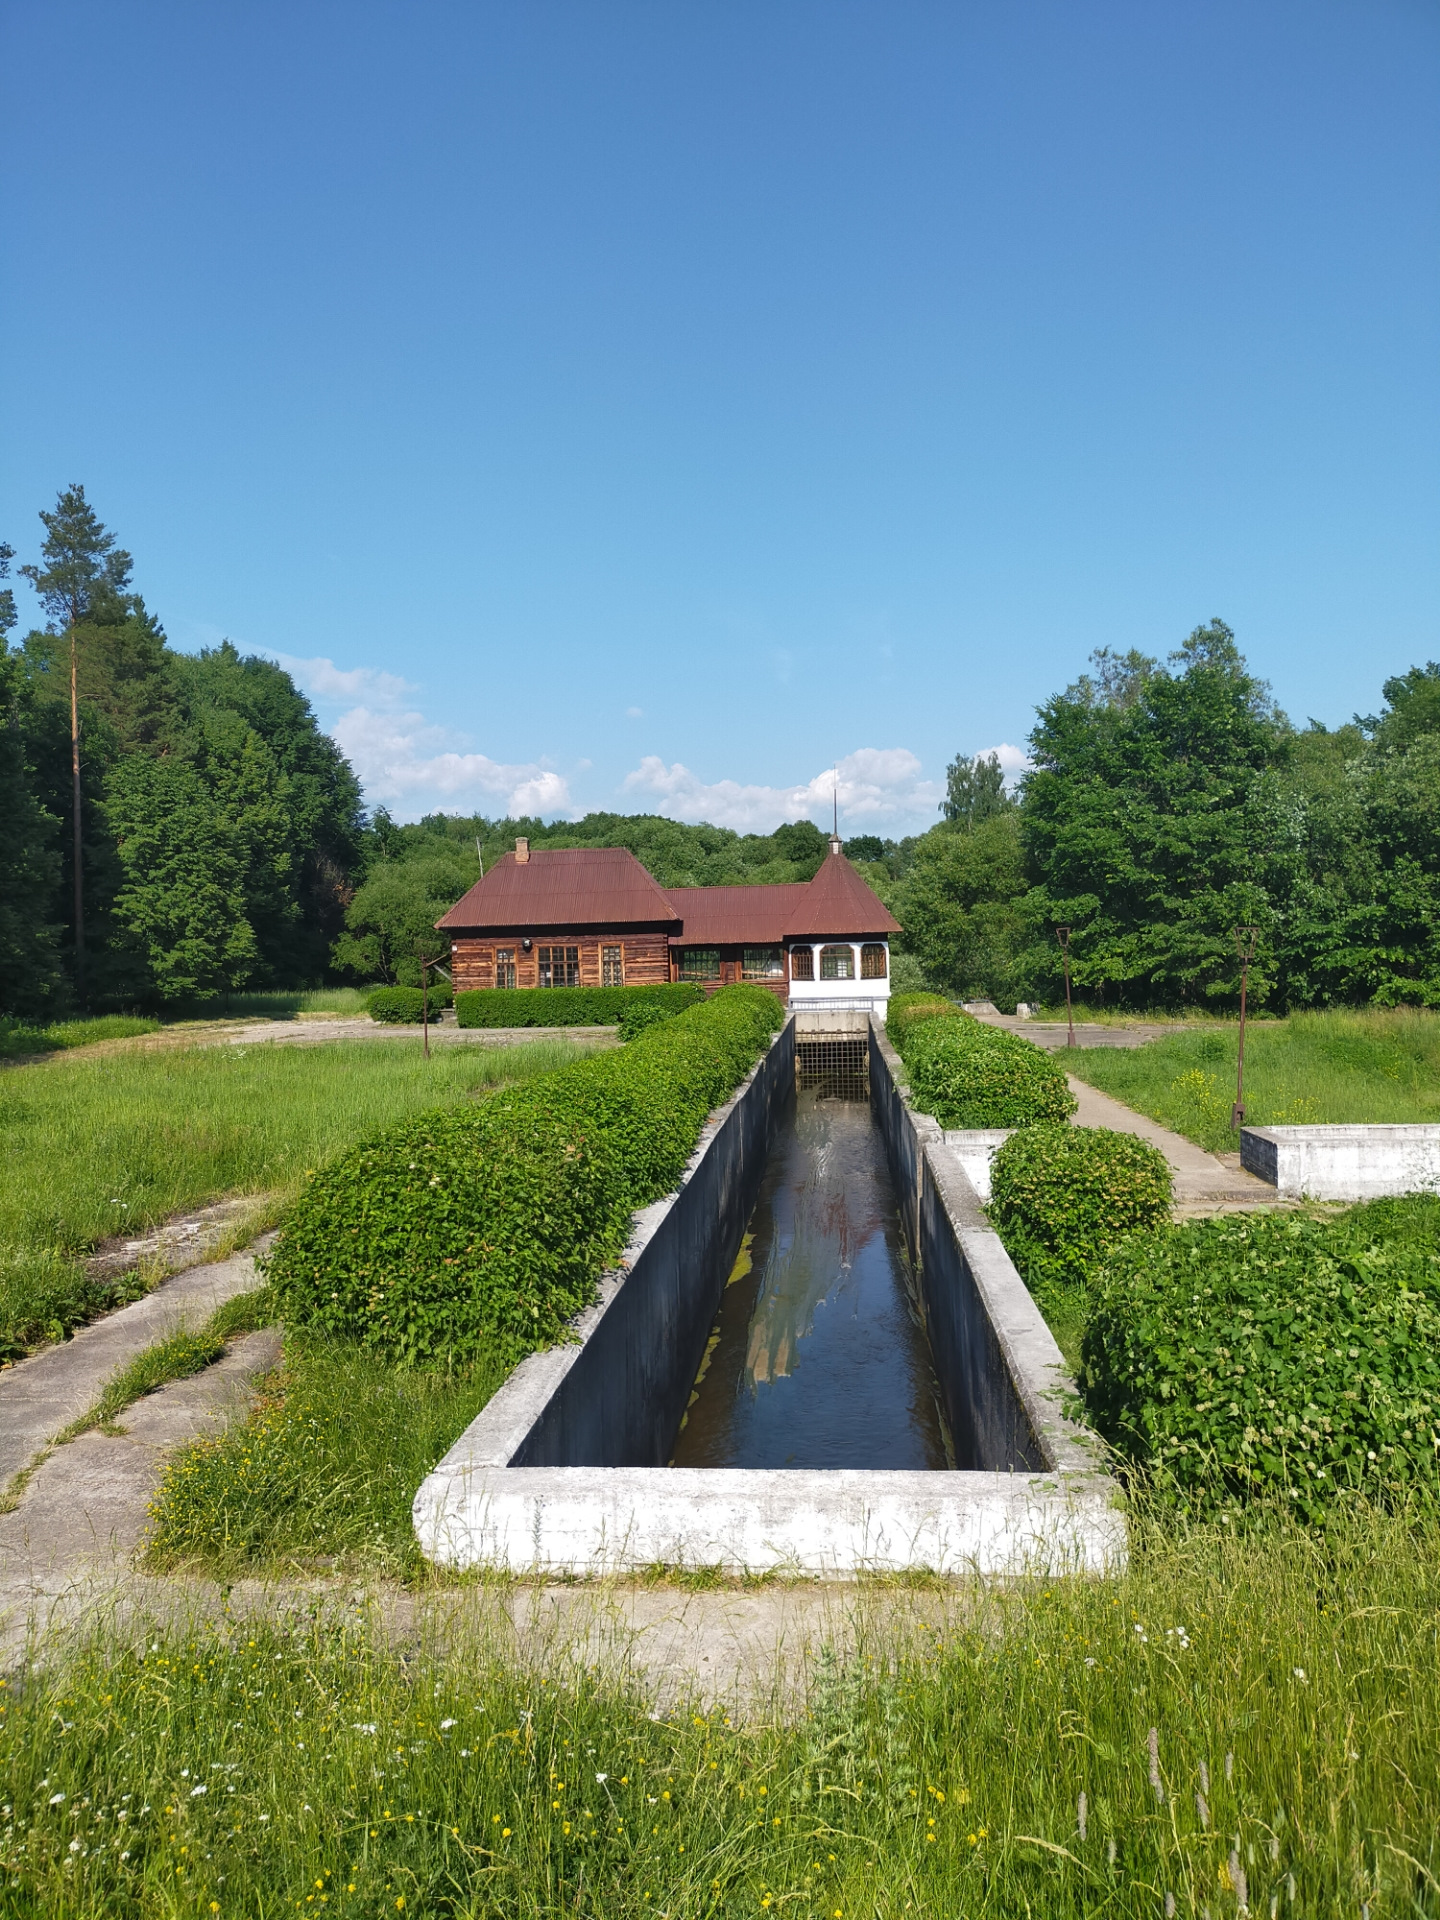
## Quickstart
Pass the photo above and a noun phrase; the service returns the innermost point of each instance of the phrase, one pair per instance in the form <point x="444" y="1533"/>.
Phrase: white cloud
<point x="634" y="713"/>
<point x="875" y="786"/>
<point x="405" y="763"/>
<point x="1013" y="760"/>
<point x="328" y="682"/>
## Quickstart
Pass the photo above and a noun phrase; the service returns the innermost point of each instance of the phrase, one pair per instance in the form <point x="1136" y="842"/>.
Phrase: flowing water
<point x="818" y="1357"/>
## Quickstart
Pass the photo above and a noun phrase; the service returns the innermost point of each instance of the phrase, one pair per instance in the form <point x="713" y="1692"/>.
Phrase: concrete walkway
<point x="41" y="1396"/>
<point x="1203" y="1182"/>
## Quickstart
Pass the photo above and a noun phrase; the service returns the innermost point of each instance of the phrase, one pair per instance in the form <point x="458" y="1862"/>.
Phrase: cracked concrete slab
<point x="43" y="1395"/>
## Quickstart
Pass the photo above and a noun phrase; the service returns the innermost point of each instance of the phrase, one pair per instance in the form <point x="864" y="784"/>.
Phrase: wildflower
<point x="601" y="1778"/>
<point x="56" y="1798"/>
<point x="1299" y="1673"/>
<point x="196" y="1790"/>
<point x="446" y="1724"/>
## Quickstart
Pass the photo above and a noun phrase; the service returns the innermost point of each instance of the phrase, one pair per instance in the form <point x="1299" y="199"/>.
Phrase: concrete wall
<point x="1344" y="1162"/>
<point x="614" y="1398"/>
<point x="1001" y="1372"/>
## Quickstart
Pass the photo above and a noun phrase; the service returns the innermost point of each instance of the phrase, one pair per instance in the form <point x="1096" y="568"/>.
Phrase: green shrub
<point x="1063" y="1197"/>
<point x="567" y="1006"/>
<point x="641" y="1015"/>
<point x="482" y="1230"/>
<point x="1269" y="1355"/>
<point x="908" y="1011"/>
<point x="404" y="1006"/>
<point x="969" y="1075"/>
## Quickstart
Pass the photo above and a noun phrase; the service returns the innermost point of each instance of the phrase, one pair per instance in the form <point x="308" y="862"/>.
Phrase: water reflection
<point x="818" y="1358"/>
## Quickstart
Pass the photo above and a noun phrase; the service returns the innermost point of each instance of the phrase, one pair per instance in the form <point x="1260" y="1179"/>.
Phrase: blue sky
<point x="655" y="406"/>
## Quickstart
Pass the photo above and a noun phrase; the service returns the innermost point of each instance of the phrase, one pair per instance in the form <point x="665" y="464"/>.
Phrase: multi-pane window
<point x="559" y="966"/>
<point x="802" y="963"/>
<point x="872" y="961"/>
<point x="504" y="966"/>
<point x="612" y="969"/>
<point x="837" y="963"/>
<point x="699" y="963"/>
<point x="763" y="963"/>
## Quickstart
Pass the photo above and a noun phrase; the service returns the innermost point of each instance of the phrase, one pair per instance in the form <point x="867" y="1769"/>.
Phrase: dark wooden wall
<point x="644" y="956"/>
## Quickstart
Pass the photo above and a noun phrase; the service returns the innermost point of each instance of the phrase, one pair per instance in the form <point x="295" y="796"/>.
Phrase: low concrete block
<point x="975" y="1148"/>
<point x="1344" y="1162"/>
<point x="600" y="1520"/>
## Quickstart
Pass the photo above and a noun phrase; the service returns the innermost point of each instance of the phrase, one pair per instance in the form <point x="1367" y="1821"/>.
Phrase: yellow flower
<point x="505" y="1833"/>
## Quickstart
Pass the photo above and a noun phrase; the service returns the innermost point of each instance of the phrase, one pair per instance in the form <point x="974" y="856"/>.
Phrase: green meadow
<point x="98" y="1145"/>
<point x="1337" y="1066"/>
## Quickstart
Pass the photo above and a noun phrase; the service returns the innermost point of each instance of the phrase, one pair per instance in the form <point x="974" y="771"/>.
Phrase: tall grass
<point x="1229" y="1727"/>
<point x="17" y="1038"/>
<point x="326" y="1466"/>
<point x="1335" y="1066"/>
<point x="92" y="1147"/>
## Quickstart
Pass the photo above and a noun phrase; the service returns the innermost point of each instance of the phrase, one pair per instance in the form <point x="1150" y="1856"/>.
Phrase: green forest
<point x="1169" y="804"/>
<point x="224" y="845"/>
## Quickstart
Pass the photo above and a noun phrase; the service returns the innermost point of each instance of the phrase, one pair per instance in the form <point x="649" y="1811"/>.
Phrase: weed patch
<point x="1229" y="1724"/>
<point x="327" y="1465"/>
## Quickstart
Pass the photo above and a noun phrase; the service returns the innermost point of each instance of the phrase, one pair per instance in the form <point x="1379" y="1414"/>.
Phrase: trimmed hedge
<point x="1064" y="1197"/>
<point x="484" y="1229"/>
<point x="1270" y="1356"/>
<point x="908" y="1011"/>
<point x="567" y="1006"/>
<point x="641" y="1015"/>
<point x="404" y="1006"/>
<point x="969" y="1075"/>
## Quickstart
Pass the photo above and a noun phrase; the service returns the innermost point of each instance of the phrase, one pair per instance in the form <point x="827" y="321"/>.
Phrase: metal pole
<point x="1245" y="939"/>
<point x="1062" y="934"/>
<point x="425" y="999"/>
<point x="75" y="790"/>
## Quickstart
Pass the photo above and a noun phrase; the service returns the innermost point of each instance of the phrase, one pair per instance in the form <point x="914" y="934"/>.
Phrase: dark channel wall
<point x="964" y="1273"/>
<point x="619" y="1404"/>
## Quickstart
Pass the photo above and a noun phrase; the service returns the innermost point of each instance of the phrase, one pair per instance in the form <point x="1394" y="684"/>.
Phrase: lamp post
<point x="1062" y="934"/>
<point x="1245" y="942"/>
<point x="424" y="994"/>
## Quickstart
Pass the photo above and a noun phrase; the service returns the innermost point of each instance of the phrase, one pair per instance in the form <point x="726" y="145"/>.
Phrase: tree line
<point x="176" y="825"/>
<point x="1167" y="805"/>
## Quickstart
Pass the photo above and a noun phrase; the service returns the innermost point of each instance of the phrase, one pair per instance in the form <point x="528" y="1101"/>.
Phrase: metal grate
<point x="834" y="1066"/>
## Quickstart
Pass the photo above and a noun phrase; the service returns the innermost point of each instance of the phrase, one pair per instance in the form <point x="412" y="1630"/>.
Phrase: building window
<point x="763" y="963"/>
<point x="837" y="963"/>
<point x="699" y="963"/>
<point x="872" y="961"/>
<point x="612" y="968"/>
<point x="504" y="966"/>
<point x="559" y="966"/>
<point x="802" y="963"/>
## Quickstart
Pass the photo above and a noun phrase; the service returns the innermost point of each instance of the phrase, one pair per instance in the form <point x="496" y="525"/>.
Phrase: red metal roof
<point x="608" y="887"/>
<point x="837" y="901"/>
<point x="726" y="916"/>
<point x="563" y="886"/>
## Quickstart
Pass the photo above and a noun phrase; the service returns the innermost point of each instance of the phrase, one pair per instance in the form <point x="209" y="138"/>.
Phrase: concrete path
<point x="1203" y="1182"/>
<point x="309" y="1033"/>
<point x="41" y="1396"/>
<point x="71" y="1540"/>
<point x="1051" y="1034"/>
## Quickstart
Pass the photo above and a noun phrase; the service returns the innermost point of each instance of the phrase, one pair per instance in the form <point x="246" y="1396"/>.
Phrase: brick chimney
<point x="522" y="851"/>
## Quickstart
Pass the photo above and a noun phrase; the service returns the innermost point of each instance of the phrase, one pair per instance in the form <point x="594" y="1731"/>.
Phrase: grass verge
<point x="1331" y="1067"/>
<point x="1231" y="1725"/>
<point x="118" y="1144"/>
<point x="62" y="1035"/>
<point x="325" y="1468"/>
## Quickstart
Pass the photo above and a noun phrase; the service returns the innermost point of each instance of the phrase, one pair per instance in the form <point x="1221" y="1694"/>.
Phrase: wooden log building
<point x="593" y="916"/>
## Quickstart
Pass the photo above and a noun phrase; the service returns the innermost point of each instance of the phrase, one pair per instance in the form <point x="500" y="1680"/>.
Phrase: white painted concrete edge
<point x="1354" y="1162"/>
<point x="615" y="1520"/>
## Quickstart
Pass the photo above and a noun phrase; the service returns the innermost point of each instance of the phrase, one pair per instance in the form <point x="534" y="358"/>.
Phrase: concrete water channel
<point x="864" y="1382"/>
